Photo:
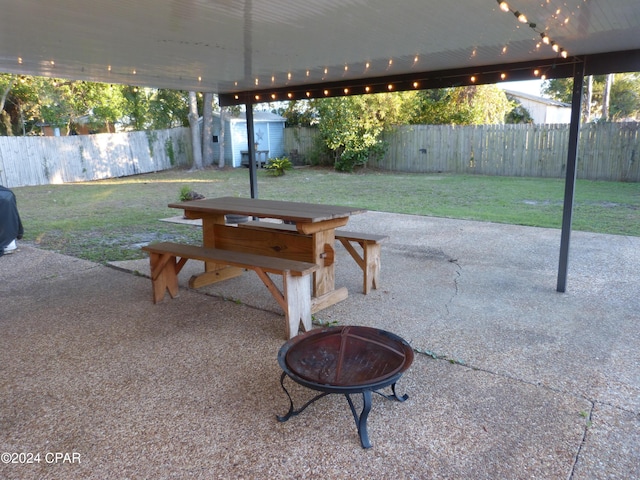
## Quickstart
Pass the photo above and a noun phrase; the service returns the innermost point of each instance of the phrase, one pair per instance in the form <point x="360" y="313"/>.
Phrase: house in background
<point x="268" y="136"/>
<point x="542" y="110"/>
<point x="80" y="126"/>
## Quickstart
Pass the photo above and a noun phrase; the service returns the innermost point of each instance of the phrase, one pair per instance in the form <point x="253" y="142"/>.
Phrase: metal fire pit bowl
<point x="347" y="360"/>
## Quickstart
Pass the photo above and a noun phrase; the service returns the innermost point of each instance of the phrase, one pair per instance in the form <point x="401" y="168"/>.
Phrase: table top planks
<point x="288" y="211"/>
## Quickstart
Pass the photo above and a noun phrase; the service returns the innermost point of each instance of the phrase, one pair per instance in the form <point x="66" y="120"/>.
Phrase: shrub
<point x="278" y="166"/>
<point x="186" y="194"/>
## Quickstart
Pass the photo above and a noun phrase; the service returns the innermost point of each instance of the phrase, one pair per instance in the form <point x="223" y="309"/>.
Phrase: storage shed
<point x="268" y="136"/>
<point x="543" y="110"/>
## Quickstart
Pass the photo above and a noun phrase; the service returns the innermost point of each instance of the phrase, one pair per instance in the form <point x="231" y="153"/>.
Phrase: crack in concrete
<point x="457" y="276"/>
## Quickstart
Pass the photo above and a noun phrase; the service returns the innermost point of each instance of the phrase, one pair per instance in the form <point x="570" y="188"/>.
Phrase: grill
<point x="346" y="360"/>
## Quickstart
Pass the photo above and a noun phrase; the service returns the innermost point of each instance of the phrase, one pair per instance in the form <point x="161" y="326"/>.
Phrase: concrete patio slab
<point x="511" y="379"/>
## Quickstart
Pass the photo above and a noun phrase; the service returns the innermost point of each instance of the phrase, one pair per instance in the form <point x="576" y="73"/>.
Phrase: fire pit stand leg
<point x="394" y="396"/>
<point x="292" y="411"/>
<point x="361" y="421"/>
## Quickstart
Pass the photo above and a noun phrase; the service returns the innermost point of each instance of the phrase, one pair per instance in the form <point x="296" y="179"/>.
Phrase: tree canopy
<point x="26" y="102"/>
<point x="624" y="102"/>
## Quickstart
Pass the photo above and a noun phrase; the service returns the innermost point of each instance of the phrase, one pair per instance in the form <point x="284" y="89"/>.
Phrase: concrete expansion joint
<point x="588" y="422"/>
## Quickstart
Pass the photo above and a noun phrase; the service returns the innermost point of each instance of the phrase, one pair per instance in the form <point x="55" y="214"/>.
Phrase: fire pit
<point x="346" y="360"/>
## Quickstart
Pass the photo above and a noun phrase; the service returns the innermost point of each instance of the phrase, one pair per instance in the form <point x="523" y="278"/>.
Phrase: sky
<point x="532" y="87"/>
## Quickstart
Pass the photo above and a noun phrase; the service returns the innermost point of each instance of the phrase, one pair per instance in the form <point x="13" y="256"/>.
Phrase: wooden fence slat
<point x="49" y="160"/>
<point x="606" y="151"/>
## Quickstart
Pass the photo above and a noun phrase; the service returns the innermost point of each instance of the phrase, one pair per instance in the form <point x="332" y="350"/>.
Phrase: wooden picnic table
<point x="313" y="240"/>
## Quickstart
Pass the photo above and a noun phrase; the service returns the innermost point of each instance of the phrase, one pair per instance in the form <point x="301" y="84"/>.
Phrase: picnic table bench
<point x="369" y="261"/>
<point x="313" y="241"/>
<point x="294" y="298"/>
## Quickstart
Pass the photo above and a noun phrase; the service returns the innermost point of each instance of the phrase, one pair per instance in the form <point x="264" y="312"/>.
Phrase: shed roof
<point x="534" y="98"/>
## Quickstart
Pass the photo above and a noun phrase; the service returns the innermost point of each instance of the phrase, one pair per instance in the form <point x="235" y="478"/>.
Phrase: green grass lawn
<point x="109" y="220"/>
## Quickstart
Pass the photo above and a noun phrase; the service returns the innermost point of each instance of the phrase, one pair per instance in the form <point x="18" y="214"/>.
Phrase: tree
<point x="623" y="93"/>
<point x="606" y="96"/>
<point x="625" y="97"/>
<point x="207" y="129"/>
<point x="64" y="102"/>
<point x="168" y="109"/>
<point x="351" y="127"/>
<point x="472" y="105"/>
<point x="298" y="113"/>
<point x="5" y="119"/>
<point x="20" y="109"/>
<point x="195" y="133"/>
<point x="26" y="101"/>
<point x="136" y="107"/>
<point x="221" y="136"/>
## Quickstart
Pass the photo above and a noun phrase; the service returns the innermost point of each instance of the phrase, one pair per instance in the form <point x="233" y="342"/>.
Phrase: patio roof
<point x="279" y="49"/>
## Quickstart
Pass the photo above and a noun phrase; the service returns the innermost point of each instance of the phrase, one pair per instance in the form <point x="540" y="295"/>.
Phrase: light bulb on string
<point x="521" y="17"/>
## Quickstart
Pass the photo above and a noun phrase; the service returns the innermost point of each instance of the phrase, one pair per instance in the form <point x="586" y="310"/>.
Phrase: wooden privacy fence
<point x="606" y="151"/>
<point x="78" y="158"/>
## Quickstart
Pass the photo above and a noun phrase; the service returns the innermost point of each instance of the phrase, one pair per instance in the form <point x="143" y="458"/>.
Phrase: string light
<point x="403" y="84"/>
<point x="504" y="6"/>
<point x="521" y="17"/>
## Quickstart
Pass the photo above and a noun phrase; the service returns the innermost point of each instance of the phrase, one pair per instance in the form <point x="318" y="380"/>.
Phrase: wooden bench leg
<point x="295" y="300"/>
<point x="297" y="294"/>
<point x="369" y="262"/>
<point x="372" y="262"/>
<point x="164" y="275"/>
